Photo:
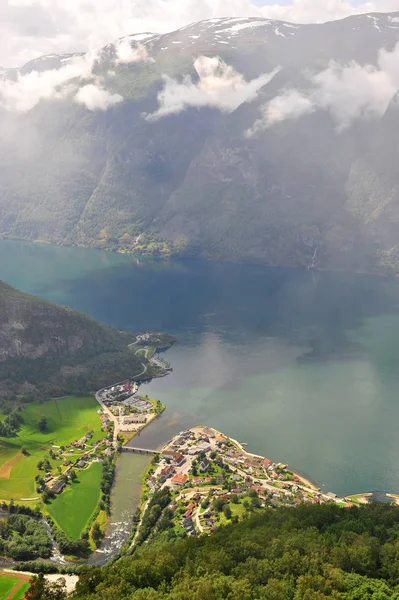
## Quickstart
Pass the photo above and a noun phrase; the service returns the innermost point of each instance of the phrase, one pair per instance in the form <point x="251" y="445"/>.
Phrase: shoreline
<point x="178" y="257"/>
<point x="306" y="480"/>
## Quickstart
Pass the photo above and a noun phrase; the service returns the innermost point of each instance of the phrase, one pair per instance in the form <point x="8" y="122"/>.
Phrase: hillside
<point x="308" y="552"/>
<point x="47" y="349"/>
<point x="238" y="139"/>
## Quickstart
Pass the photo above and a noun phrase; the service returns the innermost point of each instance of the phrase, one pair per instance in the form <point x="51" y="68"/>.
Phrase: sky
<point x="30" y="28"/>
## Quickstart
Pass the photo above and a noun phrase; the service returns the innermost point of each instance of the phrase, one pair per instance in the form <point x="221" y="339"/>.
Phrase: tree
<point x="42" y="424"/>
<point x="72" y="475"/>
<point x="218" y="504"/>
<point x="227" y="512"/>
<point x="24" y="451"/>
<point x="234" y="499"/>
<point x="96" y="533"/>
<point x="46" y="495"/>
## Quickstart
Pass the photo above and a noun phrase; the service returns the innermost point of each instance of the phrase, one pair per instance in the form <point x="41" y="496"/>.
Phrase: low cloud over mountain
<point x="233" y="138"/>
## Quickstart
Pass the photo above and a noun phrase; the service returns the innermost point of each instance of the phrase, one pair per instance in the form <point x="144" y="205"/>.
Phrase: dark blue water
<point x="301" y="365"/>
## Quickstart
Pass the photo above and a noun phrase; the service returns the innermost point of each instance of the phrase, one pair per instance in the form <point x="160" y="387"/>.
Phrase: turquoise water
<point x="302" y="366"/>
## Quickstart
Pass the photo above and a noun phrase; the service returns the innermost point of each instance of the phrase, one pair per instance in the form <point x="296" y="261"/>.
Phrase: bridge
<point x="139" y="450"/>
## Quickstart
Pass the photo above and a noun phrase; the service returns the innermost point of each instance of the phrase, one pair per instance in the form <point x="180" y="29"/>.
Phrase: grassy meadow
<point x="68" y="419"/>
<point x="10" y="582"/>
<point x="73" y="509"/>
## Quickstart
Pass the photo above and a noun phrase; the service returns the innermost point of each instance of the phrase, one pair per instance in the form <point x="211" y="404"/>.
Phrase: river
<point x="124" y="502"/>
<point x="301" y="365"/>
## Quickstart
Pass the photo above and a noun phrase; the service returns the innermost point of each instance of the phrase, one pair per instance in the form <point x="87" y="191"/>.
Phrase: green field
<point x="73" y="509"/>
<point x="68" y="419"/>
<point x="8" y="583"/>
<point x="20" y="593"/>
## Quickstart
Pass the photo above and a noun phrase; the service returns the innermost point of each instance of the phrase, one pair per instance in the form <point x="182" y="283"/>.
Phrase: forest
<point x="310" y="553"/>
<point x="23" y="537"/>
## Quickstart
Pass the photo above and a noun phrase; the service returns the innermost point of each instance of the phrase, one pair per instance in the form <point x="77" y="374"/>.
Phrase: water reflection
<point x="301" y="365"/>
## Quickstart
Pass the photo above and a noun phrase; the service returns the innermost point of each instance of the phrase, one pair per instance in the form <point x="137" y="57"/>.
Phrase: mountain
<point x="206" y="177"/>
<point x="48" y="349"/>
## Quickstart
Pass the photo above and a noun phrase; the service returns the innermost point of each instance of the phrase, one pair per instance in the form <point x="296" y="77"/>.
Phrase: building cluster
<point x="117" y="394"/>
<point x="92" y="452"/>
<point x="202" y="464"/>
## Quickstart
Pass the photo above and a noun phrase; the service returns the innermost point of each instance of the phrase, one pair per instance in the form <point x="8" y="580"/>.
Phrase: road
<point x="145" y="367"/>
<point x="106" y="410"/>
<point x="112" y="417"/>
<point x="197" y="519"/>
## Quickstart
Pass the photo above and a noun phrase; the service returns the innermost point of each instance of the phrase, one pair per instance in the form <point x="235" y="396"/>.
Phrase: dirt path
<point x="22" y="580"/>
<point x="6" y="468"/>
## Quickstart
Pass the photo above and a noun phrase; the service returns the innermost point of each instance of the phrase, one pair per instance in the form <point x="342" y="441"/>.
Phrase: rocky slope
<point x="45" y="348"/>
<point x="204" y="178"/>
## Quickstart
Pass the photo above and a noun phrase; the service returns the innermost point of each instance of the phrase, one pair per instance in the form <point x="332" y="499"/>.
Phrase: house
<point x="166" y="473"/>
<point x="187" y="523"/>
<point x="204" y="447"/>
<point x="179" y="479"/>
<point x="47" y="477"/>
<point x="204" y="465"/>
<point x="176" y="458"/>
<point x="267" y="463"/>
<point x="80" y="464"/>
<point x="134" y="418"/>
<point x="198" y="481"/>
<point x="208" y="432"/>
<point x="108" y="453"/>
<point x="58" y="486"/>
<point x="201" y="447"/>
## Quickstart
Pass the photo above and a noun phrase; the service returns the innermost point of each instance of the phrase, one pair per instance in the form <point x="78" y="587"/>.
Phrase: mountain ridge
<point x="46" y="349"/>
<point x="192" y="182"/>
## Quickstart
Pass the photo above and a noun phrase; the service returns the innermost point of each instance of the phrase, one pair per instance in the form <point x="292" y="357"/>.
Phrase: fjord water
<point x="301" y="365"/>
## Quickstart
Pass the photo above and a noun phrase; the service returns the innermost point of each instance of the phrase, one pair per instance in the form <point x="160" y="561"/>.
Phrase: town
<point x="128" y="412"/>
<point x="213" y="480"/>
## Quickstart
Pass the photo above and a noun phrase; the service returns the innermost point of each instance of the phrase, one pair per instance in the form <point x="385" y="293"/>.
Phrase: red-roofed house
<point x="179" y="479"/>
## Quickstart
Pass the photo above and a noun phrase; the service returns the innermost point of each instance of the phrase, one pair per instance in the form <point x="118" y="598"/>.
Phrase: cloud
<point x="348" y="92"/>
<point x="218" y="86"/>
<point x="126" y="53"/>
<point x="289" y="105"/>
<point x="29" y="28"/>
<point x="27" y="90"/>
<point x="96" y="98"/>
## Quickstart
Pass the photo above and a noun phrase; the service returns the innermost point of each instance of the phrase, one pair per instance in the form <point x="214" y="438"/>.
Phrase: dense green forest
<point x="309" y="553"/>
<point x="49" y="350"/>
<point x="23" y="537"/>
